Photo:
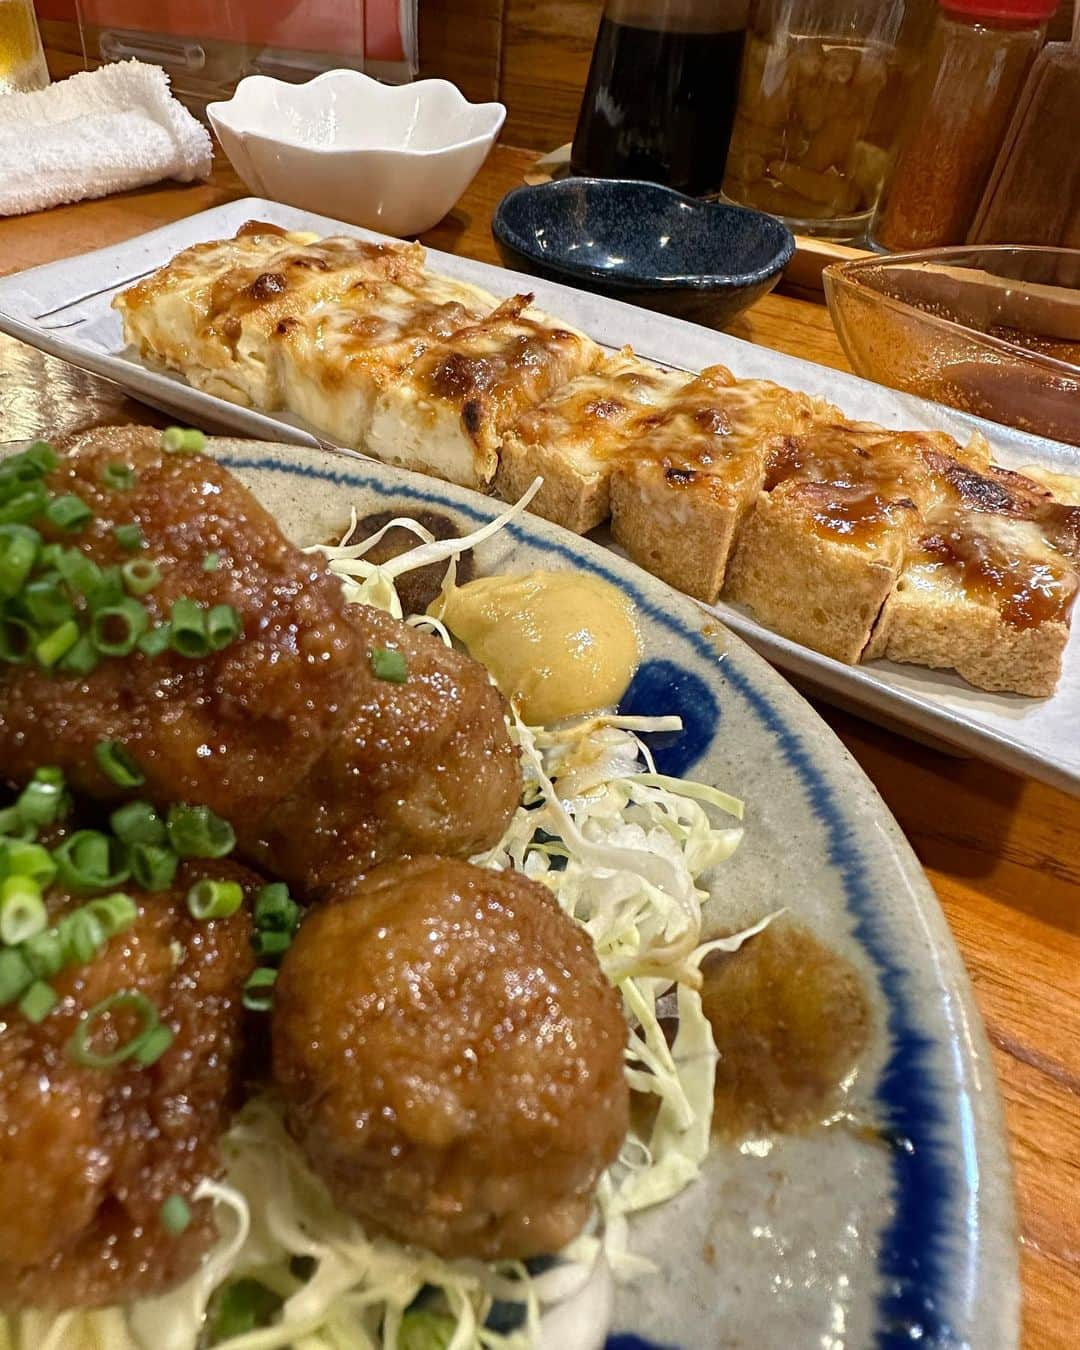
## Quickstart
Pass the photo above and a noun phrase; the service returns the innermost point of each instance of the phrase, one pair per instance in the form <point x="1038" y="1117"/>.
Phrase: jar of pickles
<point x="819" y="98"/>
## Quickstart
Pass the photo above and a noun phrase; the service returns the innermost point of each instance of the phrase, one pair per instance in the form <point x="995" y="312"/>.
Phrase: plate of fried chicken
<point x="348" y="1001"/>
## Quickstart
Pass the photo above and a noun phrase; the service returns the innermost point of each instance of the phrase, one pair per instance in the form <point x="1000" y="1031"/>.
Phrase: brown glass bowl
<point x="990" y="330"/>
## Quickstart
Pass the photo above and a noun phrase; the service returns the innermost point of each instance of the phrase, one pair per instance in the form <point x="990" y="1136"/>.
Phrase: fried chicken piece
<point x="235" y="731"/>
<point x="424" y="766"/>
<point x="451" y="1058"/>
<point x="88" y="1156"/>
<point x="287" y="732"/>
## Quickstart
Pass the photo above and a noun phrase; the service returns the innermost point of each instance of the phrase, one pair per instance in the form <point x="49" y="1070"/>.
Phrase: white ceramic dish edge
<point x="389" y="157"/>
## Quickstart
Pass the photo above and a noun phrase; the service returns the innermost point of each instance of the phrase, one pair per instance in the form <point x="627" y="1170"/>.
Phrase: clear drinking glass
<point x="22" y="60"/>
<point x="807" y="142"/>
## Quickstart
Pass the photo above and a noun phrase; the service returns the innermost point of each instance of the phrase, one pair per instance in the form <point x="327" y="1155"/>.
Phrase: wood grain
<point x="461" y="41"/>
<point x="1003" y="853"/>
<point x="547" y="45"/>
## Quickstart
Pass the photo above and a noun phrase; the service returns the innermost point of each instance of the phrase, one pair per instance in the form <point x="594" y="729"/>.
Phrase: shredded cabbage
<point x="623" y="849"/>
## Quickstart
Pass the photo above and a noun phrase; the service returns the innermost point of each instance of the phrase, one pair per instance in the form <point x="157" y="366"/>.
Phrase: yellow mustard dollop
<point x="558" y="644"/>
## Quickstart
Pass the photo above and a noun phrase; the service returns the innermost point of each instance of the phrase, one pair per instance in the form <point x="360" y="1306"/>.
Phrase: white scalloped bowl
<point x="393" y="158"/>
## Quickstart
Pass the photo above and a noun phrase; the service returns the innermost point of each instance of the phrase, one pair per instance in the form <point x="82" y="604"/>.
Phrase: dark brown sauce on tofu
<point x="857" y="515"/>
<point x="791" y="1021"/>
<point x="1027" y="591"/>
<point x="255" y="228"/>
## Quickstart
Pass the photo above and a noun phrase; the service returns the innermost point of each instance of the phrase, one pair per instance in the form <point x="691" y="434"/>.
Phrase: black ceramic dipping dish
<point x="644" y="243"/>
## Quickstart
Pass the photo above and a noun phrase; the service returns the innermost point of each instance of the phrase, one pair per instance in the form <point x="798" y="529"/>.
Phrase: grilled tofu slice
<point x="575" y="438"/>
<point x="988" y="586"/>
<point x="334" y="361"/>
<point x="447" y="411"/>
<point x="693" y="469"/>
<point x="830" y="530"/>
<point x="214" y="311"/>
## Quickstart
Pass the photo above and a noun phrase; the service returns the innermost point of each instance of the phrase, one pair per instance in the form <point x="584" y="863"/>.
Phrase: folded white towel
<point x="98" y="132"/>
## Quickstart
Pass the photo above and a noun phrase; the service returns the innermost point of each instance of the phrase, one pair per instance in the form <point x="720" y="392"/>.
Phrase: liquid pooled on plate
<point x="791" y="1021"/>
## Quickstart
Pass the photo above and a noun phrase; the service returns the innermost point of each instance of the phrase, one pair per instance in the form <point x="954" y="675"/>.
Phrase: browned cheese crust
<point x="451" y="1057"/>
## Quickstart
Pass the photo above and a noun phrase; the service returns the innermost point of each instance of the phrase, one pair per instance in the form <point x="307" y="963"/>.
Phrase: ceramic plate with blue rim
<point x="890" y="1223"/>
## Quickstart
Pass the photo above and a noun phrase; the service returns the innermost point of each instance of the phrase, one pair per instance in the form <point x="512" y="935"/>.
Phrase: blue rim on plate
<point x="945" y="1262"/>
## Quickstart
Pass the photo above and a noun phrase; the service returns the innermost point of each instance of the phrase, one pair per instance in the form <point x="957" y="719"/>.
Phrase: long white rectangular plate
<point x="64" y="309"/>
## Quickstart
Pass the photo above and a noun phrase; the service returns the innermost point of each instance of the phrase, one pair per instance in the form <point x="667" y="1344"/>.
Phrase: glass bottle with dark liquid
<point x="660" y="99"/>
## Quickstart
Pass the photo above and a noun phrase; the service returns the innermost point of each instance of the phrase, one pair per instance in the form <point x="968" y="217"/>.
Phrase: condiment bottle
<point x="1034" y="192"/>
<point x="660" y="96"/>
<point x="811" y="116"/>
<point x="960" y="107"/>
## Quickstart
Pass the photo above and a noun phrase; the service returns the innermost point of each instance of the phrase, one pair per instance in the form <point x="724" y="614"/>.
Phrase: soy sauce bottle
<point x="660" y="98"/>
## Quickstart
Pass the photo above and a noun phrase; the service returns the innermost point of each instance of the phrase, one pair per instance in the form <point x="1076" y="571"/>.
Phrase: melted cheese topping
<point x="590" y="419"/>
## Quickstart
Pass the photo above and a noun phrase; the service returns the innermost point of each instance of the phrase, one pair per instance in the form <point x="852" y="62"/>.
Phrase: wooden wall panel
<point x="461" y="40"/>
<point x="546" y="50"/>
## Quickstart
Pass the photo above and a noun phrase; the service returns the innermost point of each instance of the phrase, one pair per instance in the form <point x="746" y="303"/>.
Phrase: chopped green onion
<point x="129" y="537"/>
<point x="126" y="1000"/>
<point x="80" y="573"/>
<point x="138" y="823"/>
<point x="275" y="908"/>
<point x="155" y="640"/>
<point x="118" y="765"/>
<point x="155" y="1045"/>
<point x="108" y="590"/>
<point x="50" y="555"/>
<point x="188" y="624"/>
<point x="22" y="910"/>
<point x="68" y="513"/>
<point x="42" y="456"/>
<point x="178" y="441"/>
<point x="20" y="858"/>
<point x="44" y="600"/>
<point x="44" y="955"/>
<point x="17" y="639"/>
<point x="91" y="861"/>
<point x="211" y="562"/>
<point x="153" y="866"/>
<point x="19" y="548"/>
<point x="116" y="628"/>
<point x="11" y="823"/>
<point x="196" y="832"/>
<point x="16" y="472"/>
<point x="56" y="644"/>
<point x="214" y="899"/>
<point x="140" y="575"/>
<point x="241" y="1306"/>
<point x="267" y="942"/>
<point x="44" y="799"/>
<point x="389" y="664"/>
<point x="258" y="993"/>
<point x="82" y="935"/>
<point x="119" y="477"/>
<point x="38" y="1001"/>
<point x="115" y="913"/>
<point x="15" y="976"/>
<point x="24" y="507"/>
<point x="81" y="658"/>
<point x="223" y="626"/>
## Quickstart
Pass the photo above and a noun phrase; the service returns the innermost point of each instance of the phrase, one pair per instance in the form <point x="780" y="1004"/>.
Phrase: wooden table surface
<point x="1003" y="853"/>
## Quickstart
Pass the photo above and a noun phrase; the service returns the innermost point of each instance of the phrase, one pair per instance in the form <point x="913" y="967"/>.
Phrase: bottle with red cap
<point x="978" y="57"/>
